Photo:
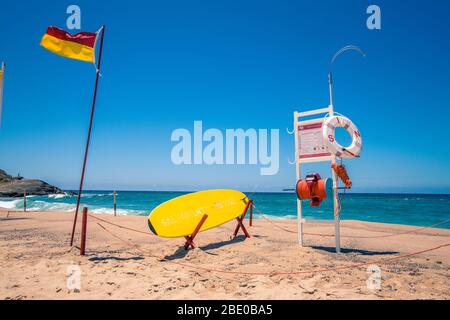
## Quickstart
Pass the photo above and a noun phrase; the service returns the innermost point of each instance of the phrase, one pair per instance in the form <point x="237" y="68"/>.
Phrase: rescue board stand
<point x="251" y="215"/>
<point x="240" y="225"/>
<point x="240" y="220"/>
<point x="190" y="239"/>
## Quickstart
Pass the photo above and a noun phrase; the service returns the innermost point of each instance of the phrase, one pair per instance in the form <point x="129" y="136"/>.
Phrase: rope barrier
<point x="401" y="233"/>
<point x="271" y="222"/>
<point x="282" y="228"/>
<point x="290" y="231"/>
<point x="274" y="273"/>
<point x="119" y="226"/>
<point x="356" y="265"/>
<point x="355" y="237"/>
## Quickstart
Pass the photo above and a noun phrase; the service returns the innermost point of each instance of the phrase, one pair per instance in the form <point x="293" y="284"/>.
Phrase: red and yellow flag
<point x="80" y="46"/>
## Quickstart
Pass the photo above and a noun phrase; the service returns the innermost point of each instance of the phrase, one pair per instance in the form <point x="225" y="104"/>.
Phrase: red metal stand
<point x="251" y="214"/>
<point x="241" y="219"/>
<point x="83" y="232"/>
<point x="190" y="239"/>
<point x="240" y="225"/>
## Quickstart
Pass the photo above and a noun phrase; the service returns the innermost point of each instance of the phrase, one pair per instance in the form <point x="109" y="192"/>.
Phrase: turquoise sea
<point x="410" y="209"/>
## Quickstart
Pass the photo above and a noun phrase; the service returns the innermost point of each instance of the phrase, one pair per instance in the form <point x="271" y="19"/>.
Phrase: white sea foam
<point x="124" y="212"/>
<point x="88" y="195"/>
<point x="40" y="205"/>
<point x="10" y="204"/>
<point x="50" y="206"/>
<point x="276" y="217"/>
<point x="57" y="196"/>
<point x="92" y="195"/>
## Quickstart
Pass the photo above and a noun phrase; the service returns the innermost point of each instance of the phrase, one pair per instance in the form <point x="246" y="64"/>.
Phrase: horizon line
<point x="253" y="192"/>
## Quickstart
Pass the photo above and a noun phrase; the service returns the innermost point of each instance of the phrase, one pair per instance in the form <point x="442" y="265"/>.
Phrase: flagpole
<point x="89" y="135"/>
<point x="1" y="91"/>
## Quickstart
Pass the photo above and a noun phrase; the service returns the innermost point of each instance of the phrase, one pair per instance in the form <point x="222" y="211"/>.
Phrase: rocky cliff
<point x="15" y="186"/>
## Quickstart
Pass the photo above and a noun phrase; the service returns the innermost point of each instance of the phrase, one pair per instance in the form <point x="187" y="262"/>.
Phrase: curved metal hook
<point x="293" y="162"/>
<point x="342" y="50"/>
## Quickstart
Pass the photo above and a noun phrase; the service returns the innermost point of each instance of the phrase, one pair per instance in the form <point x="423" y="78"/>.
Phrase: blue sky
<point x="231" y="64"/>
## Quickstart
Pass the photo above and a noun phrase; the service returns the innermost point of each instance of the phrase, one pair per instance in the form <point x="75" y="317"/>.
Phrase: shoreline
<point x="124" y="264"/>
<point x="256" y="217"/>
<point x="393" y="209"/>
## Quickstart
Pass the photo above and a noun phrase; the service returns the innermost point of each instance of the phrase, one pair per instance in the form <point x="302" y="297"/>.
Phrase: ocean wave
<point x="57" y="196"/>
<point x="276" y="217"/>
<point x="93" y="195"/>
<point x="88" y="195"/>
<point x="11" y="204"/>
<point x="124" y="212"/>
<point x="50" y="206"/>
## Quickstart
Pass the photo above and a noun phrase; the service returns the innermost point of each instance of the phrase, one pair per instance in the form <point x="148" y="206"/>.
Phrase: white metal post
<point x="335" y="178"/>
<point x="332" y="158"/>
<point x="337" y="229"/>
<point x="297" y="171"/>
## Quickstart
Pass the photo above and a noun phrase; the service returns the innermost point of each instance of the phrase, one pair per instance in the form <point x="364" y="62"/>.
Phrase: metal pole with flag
<point x="2" y="73"/>
<point x="94" y="99"/>
<point x="80" y="46"/>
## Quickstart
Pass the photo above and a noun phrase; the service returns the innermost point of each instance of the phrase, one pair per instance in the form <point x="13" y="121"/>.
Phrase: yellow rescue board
<point x="179" y="217"/>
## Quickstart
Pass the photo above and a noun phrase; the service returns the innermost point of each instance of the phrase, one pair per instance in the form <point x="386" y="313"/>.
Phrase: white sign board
<point x="311" y="144"/>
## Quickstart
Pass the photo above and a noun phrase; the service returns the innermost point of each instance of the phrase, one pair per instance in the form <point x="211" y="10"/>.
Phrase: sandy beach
<point x="36" y="261"/>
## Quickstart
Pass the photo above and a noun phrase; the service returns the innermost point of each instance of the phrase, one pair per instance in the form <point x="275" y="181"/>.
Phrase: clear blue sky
<point x="231" y="64"/>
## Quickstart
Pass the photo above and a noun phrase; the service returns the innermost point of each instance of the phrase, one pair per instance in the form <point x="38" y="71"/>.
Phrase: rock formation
<point x="15" y="186"/>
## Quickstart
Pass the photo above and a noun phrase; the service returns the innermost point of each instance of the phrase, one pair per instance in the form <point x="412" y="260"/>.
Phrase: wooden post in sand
<point x="24" y="201"/>
<point x="115" y="203"/>
<point x="83" y="232"/>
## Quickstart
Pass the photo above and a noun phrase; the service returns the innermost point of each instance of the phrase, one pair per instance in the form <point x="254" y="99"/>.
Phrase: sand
<point x="36" y="261"/>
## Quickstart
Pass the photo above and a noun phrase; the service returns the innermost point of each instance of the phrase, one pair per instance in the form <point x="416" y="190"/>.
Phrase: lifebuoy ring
<point x="328" y="130"/>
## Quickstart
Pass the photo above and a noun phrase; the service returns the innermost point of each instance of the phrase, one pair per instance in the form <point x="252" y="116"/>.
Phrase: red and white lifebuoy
<point x="328" y="130"/>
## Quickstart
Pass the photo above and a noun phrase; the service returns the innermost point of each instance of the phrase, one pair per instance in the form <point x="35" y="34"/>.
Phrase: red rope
<point x="119" y="226"/>
<point x="356" y="237"/>
<point x="401" y="233"/>
<point x="356" y="265"/>
<point x="290" y="231"/>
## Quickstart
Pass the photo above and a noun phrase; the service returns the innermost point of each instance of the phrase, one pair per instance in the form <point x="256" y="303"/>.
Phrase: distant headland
<point x="16" y="186"/>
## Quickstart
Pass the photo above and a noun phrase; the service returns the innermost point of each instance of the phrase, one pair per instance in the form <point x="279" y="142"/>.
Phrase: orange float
<point x="342" y="174"/>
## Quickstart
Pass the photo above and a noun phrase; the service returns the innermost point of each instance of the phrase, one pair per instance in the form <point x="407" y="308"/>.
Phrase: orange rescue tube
<point x="342" y="174"/>
<point x="314" y="188"/>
